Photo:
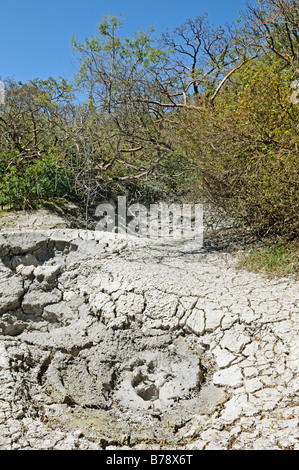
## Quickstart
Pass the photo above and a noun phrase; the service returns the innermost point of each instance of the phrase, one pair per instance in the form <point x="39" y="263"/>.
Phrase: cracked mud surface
<point x="114" y="342"/>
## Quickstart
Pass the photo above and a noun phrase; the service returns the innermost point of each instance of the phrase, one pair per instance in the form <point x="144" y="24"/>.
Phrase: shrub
<point x="26" y="186"/>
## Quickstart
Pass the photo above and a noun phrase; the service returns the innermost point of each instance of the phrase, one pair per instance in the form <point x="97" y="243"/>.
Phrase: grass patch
<point x="275" y="261"/>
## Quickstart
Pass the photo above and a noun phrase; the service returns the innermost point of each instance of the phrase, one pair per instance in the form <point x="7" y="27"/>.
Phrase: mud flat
<point x="110" y="342"/>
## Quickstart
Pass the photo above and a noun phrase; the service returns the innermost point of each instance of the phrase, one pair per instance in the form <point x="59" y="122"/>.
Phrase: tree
<point x="201" y="61"/>
<point x="112" y="68"/>
<point x="118" y="75"/>
<point x="246" y="148"/>
<point x="33" y="130"/>
<point x="274" y="26"/>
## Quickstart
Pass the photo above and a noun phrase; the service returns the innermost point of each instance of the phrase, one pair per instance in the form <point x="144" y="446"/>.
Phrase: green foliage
<point x="26" y="186"/>
<point x="278" y="260"/>
<point x="114" y="69"/>
<point x="247" y="148"/>
<point x="211" y="108"/>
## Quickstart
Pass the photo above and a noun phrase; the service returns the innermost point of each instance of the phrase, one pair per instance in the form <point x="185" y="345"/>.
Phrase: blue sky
<point x="35" y="34"/>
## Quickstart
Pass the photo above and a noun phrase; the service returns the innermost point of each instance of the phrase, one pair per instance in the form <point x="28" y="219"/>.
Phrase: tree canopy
<point x="203" y="109"/>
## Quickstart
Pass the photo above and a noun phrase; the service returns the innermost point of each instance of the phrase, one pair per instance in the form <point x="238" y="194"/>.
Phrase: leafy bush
<point x="25" y="186"/>
<point x="247" y="149"/>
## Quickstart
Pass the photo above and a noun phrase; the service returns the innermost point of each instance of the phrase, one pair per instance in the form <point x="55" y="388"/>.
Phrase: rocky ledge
<point x="110" y="342"/>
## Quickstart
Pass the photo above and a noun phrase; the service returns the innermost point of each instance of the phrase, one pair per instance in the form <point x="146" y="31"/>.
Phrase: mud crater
<point x="93" y="342"/>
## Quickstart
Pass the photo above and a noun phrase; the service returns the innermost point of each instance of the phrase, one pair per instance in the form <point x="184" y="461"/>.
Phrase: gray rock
<point x="11" y="292"/>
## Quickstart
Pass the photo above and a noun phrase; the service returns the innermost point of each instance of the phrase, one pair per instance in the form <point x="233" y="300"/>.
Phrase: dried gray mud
<point x="111" y="342"/>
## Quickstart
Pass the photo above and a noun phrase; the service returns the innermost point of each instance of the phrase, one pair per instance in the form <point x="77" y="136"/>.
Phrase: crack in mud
<point x="136" y="342"/>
